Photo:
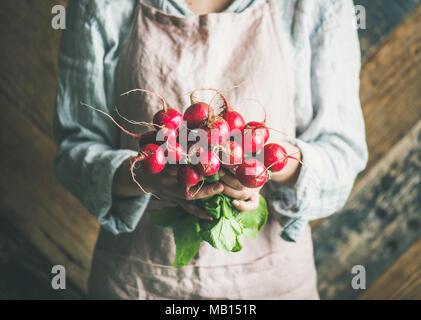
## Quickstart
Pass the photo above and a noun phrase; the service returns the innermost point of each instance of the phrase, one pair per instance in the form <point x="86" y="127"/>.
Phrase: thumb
<point x="250" y="205"/>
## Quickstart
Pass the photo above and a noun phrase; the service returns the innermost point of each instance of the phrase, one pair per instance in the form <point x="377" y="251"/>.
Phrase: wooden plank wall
<point x="41" y="224"/>
<point x="33" y="204"/>
<point x="373" y="230"/>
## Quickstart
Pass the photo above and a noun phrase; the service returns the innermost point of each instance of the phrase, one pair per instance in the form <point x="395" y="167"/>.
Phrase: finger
<point x="249" y="205"/>
<point x="236" y="194"/>
<point x="169" y="181"/>
<point x="173" y="190"/>
<point x="204" y="191"/>
<point x="233" y="182"/>
<point x="171" y="169"/>
<point x="196" y="211"/>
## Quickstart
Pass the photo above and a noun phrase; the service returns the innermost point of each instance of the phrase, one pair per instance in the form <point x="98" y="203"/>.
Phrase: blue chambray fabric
<point x="329" y="121"/>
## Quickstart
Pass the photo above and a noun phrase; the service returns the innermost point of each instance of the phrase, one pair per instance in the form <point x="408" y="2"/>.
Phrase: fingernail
<point x="236" y="202"/>
<point x="217" y="187"/>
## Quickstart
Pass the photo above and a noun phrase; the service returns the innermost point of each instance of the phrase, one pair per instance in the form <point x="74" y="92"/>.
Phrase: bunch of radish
<point x="201" y="142"/>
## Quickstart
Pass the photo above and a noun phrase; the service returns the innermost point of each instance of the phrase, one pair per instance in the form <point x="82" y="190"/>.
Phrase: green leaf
<point x="227" y="208"/>
<point x="187" y="240"/>
<point x="221" y="234"/>
<point x="213" y="178"/>
<point x="211" y="205"/>
<point x="166" y="217"/>
<point x="238" y="246"/>
<point x="253" y="221"/>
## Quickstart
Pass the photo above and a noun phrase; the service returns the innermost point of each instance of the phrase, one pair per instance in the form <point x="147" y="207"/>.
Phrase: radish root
<point x="140" y="157"/>
<point x="193" y="99"/>
<point x="142" y="123"/>
<point x="137" y="136"/>
<point x="164" y="103"/>
<point x="197" y="191"/>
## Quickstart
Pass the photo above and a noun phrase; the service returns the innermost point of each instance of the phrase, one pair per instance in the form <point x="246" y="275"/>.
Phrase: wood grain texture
<point x="390" y="90"/>
<point x="380" y="222"/>
<point x="28" y="63"/>
<point x="32" y="201"/>
<point x="402" y="280"/>
<point x="382" y="17"/>
<point x="25" y="272"/>
<point x="391" y="87"/>
<point x="36" y="204"/>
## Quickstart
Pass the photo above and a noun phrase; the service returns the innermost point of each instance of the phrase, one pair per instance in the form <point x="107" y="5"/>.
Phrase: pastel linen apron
<point x="173" y="56"/>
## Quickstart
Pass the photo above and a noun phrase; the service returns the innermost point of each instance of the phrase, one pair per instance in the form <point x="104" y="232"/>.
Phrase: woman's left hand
<point x="246" y="199"/>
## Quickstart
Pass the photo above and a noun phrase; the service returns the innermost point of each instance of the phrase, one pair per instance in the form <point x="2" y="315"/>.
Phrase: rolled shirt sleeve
<point x="88" y="152"/>
<point x="333" y="146"/>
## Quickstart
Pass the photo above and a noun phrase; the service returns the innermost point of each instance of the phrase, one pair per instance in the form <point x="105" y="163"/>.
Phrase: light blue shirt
<point x="329" y="121"/>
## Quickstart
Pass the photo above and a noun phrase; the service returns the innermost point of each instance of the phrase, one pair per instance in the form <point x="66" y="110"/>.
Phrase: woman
<point x="299" y="58"/>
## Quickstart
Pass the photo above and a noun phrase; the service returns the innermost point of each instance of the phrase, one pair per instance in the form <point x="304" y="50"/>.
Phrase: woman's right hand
<point x="165" y="186"/>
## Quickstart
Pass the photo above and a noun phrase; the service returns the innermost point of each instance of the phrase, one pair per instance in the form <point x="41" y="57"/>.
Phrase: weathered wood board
<point x="402" y="280"/>
<point x="25" y="272"/>
<point x="28" y="61"/>
<point x="32" y="201"/>
<point x="382" y="17"/>
<point x="36" y="204"/>
<point x="391" y="87"/>
<point x="380" y="222"/>
<point x="391" y="90"/>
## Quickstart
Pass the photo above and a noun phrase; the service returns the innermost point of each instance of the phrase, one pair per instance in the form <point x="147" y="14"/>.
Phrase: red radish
<point x="276" y="157"/>
<point x="167" y="117"/>
<point x="235" y="121"/>
<point x="188" y="177"/>
<point x="166" y="135"/>
<point x="253" y="140"/>
<point x="258" y="128"/>
<point x="252" y="173"/>
<point x="152" y="158"/>
<point x="194" y="152"/>
<point x="194" y="148"/>
<point x="216" y="130"/>
<point x="231" y="154"/>
<point x="255" y="135"/>
<point x="174" y="153"/>
<point x="233" y="118"/>
<point x="196" y="114"/>
<point x="209" y="163"/>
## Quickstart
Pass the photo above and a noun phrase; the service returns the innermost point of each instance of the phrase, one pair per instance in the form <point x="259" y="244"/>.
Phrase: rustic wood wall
<point x="42" y="225"/>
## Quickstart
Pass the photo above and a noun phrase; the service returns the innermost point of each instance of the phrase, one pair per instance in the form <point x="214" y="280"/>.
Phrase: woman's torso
<point x="139" y="264"/>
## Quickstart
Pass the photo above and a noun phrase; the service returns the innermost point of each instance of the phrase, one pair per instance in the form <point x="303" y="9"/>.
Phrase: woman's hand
<point x="234" y="189"/>
<point x="165" y="186"/>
